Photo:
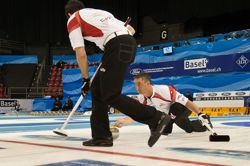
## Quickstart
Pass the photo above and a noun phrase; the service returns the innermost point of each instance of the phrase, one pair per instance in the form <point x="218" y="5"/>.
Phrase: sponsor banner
<point x="217" y="64"/>
<point x="8" y="104"/>
<point x="241" y="62"/>
<point x="228" y="95"/>
<point x="221" y="111"/>
<point x="164" y="69"/>
<point x="208" y="65"/>
<point x="219" y="98"/>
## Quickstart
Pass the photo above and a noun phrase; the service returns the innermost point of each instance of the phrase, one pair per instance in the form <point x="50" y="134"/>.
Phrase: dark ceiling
<point x="34" y="21"/>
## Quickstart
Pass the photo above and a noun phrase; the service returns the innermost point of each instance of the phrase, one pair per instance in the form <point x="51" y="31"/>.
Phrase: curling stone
<point x="115" y="132"/>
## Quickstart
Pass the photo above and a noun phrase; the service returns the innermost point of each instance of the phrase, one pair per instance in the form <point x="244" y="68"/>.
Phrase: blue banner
<point x="207" y="65"/>
<point x="72" y="81"/>
<point x="214" y="83"/>
<point x="72" y="58"/>
<point x="228" y="81"/>
<point x="18" y="59"/>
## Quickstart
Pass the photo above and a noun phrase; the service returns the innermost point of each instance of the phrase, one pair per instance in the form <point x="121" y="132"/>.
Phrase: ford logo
<point x="200" y="95"/>
<point x="135" y="71"/>
<point x="226" y="94"/>
<point x="212" y="94"/>
<point x="240" y="93"/>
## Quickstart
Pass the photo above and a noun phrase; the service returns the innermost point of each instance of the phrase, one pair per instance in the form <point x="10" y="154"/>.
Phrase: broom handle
<point x="78" y="103"/>
<point x="72" y="112"/>
<point x="210" y="129"/>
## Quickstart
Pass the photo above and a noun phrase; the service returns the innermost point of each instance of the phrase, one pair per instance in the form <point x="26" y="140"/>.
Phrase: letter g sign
<point x="164" y="34"/>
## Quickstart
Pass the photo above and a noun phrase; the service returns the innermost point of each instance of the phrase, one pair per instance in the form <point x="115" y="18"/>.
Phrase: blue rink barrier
<point x="72" y="81"/>
<point x="47" y="105"/>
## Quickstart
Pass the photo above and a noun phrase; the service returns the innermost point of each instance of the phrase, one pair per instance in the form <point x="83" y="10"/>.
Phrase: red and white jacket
<point x="93" y="25"/>
<point x="162" y="98"/>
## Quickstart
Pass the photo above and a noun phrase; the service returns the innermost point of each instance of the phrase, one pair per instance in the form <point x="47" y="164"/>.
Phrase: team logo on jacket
<point x="161" y="104"/>
<point x="102" y="69"/>
<point x="172" y="116"/>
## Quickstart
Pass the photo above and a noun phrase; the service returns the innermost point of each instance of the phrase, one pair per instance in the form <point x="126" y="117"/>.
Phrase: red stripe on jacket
<point x="73" y="24"/>
<point x="172" y="93"/>
<point x="88" y="29"/>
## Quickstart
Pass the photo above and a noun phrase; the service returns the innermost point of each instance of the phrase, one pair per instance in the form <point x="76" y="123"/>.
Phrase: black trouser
<point x="180" y="114"/>
<point x="55" y="109"/>
<point x="107" y="86"/>
<point x="66" y="108"/>
<point x="247" y="109"/>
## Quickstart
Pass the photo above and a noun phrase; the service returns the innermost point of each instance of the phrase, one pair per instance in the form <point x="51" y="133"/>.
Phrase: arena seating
<point x="55" y="85"/>
<point x="2" y="95"/>
<point x="1" y="90"/>
<point x="194" y="41"/>
<point x="5" y="97"/>
<point x="2" y="87"/>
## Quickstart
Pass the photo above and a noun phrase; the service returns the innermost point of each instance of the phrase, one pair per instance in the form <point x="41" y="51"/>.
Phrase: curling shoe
<point x="166" y="134"/>
<point x="99" y="142"/>
<point x="157" y="132"/>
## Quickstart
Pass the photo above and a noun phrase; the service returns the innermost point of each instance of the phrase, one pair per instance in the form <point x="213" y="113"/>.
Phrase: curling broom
<point x="213" y="137"/>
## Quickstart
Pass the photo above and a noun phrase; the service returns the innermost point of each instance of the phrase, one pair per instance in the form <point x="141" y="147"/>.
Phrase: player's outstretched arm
<point x="123" y="122"/>
<point x="193" y="107"/>
<point x="201" y="116"/>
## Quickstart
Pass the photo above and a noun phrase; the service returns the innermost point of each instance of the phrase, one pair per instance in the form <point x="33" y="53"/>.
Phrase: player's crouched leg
<point x="157" y="132"/>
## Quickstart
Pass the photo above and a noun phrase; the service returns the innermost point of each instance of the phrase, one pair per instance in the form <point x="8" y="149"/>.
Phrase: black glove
<point x="85" y="86"/>
<point x="203" y="118"/>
